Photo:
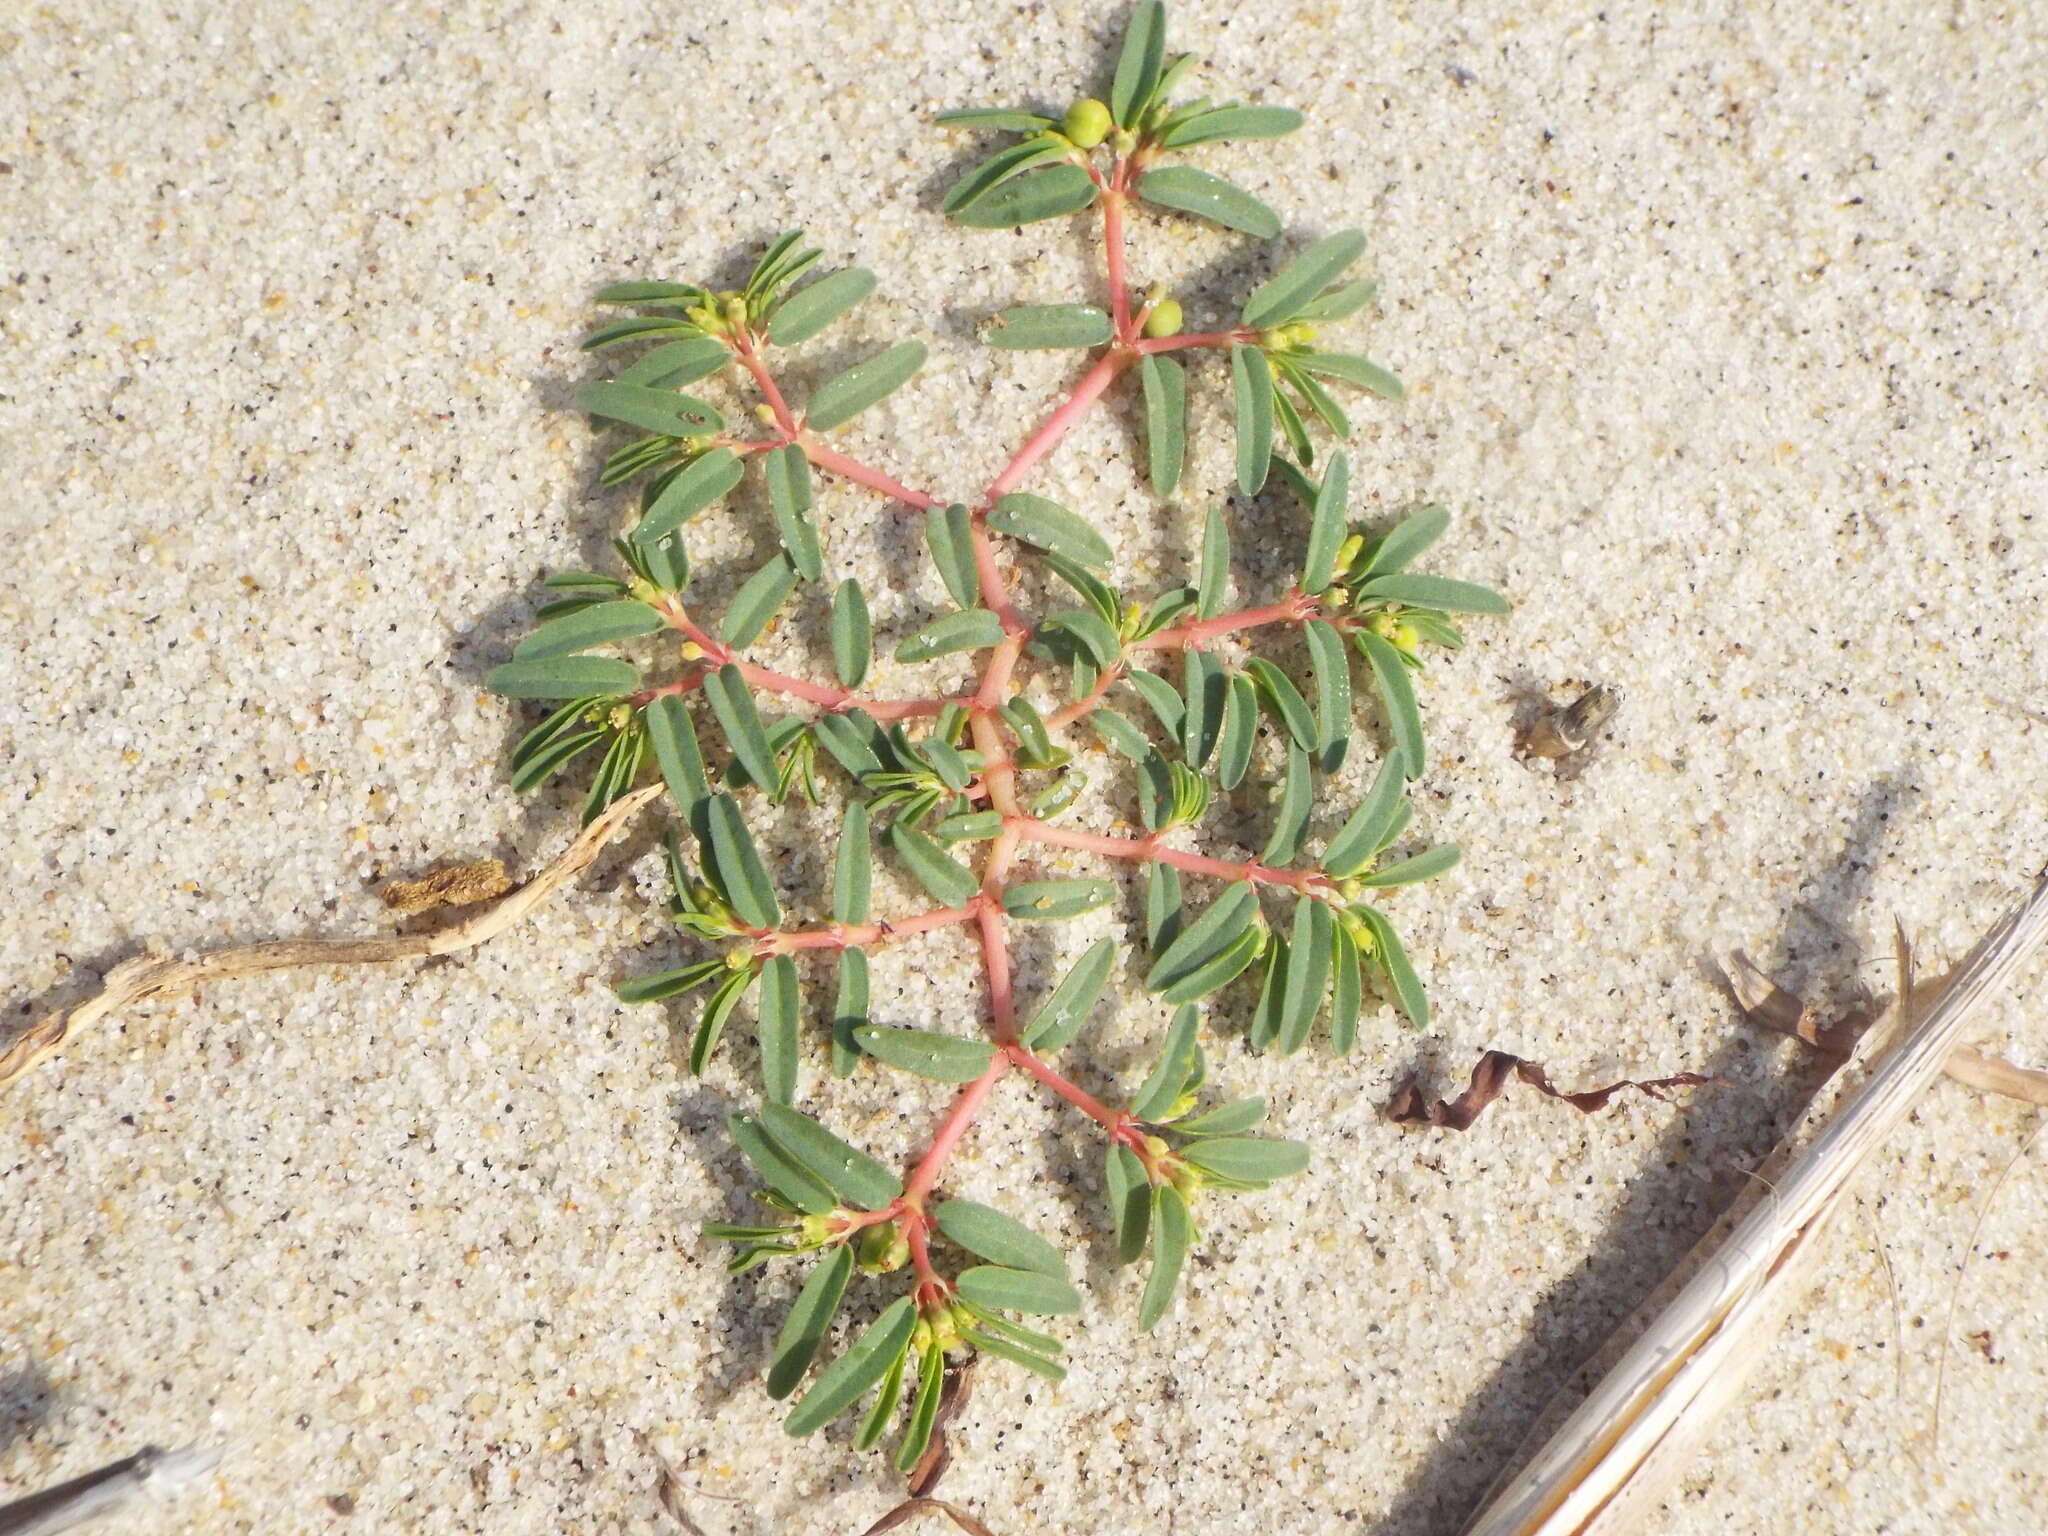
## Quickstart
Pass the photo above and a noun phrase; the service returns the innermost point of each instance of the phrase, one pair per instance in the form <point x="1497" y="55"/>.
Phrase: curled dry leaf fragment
<point x="452" y="885"/>
<point x="1410" y="1106"/>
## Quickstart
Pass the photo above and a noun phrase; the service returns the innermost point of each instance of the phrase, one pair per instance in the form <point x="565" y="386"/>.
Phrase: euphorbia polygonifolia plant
<point x="966" y="787"/>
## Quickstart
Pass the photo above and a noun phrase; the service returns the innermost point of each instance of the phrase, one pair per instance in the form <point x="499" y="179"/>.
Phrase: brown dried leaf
<point x="1410" y="1106"/>
<point x="453" y="885"/>
<point x="1766" y="1004"/>
<point x="910" y="1509"/>
<point x="931" y="1466"/>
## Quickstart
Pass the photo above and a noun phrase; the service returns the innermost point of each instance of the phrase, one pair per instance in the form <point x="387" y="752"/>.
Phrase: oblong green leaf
<point x="1187" y="190"/>
<point x="1130" y="1201"/>
<point x="665" y="984"/>
<point x="1327" y="525"/>
<point x="1017" y="1290"/>
<point x="854" y="1176"/>
<point x="1248" y="1159"/>
<point x="651" y="410"/>
<point x="1204" y="687"/>
<point x="867" y="1362"/>
<point x="598" y="624"/>
<point x="698" y="484"/>
<point x="674" y="739"/>
<point x="1138" y="63"/>
<point x="545" y="761"/>
<point x="1169" y="1076"/>
<point x="1052" y="900"/>
<point x="775" y="1025"/>
<point x="716" y="1013"/>
<point x="1390" y="958"/>
<point x="845" y="395"/>
<point x="1225" y="1120"/>
<point x="876" y="1424"/>
<point x="924" y="1409"/>
<point x="1163" y="697"/>
<point x="1266" y="1012"/>
<point x="853" y="634"/>
<point x="969" y="827"/>
<point x="971" y="629"/>
<point x="810" y="1317"/>
<point x="1048" y="525"/>
<point x="1118" y="733"/>
<point x="1397" y="698"/>
<point x="756" y="602"/>
<point x="1214" y="584"/>
<point x="1357" y="371"/>
<point x="1172" y="1230"/>
<point x="849" y="1010"/>
<point x="1240" y="731"/>
<point x="1362" y="836"/>
<point x="778" y="1170"/>
<point x="1290" y="821"/>
<point x="1339" y="303"/>
<point x="1308" y="973"/>
<point x="789" y="497"/>
<point x="726" y="692"/>
<point x="1220" y="925"/>
<point x="563" y="677"/>
<point x="852" y="867"/>
<point x="1060" y="1017"/>
<point x="949" y="535"/>
<point x="1232" y="123"/>
<point x="999" y="119"/>
<point x="1218" y="972"/>
<point x="1284" y="699"/>
<point x="1027" y="327"/>
<point x="1039" y="195"/>
<point x="1251" y="383"/>
<point x="1165" y="385"/>
<point x="813" y="307"/>
<point x="1287" y="292"/>
<point x="1346" y="988"/>
<point x="1423" y="591"/>
<point x="1016" y="1354"/>
<point x="737" y="863"/>
<point x="851" y="741"/>
<point x="1096" y="639"/>
<point x="950" y="882"/>
<point x="943" y="1058"/>
<point x="1399" y="547"/>
<point x="1162" y="905"/>
<point x="989" y="1234"/>
<point x="1004" y="165"/>
<point x="1424" y="866"/>
<point x="677" y="363"/>
<point x="1332" y="662"/>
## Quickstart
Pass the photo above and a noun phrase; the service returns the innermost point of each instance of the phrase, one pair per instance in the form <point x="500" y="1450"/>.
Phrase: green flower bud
<point x="1349" y="551"/>
<point x="1088" y="123"/>
<point x="882" y="1249"/>
<point x="735" y="311"/>
<point x="1165" y="319"/>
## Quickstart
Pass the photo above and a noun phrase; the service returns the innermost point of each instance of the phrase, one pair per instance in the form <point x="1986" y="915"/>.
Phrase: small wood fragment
<point x="453" y="885"/>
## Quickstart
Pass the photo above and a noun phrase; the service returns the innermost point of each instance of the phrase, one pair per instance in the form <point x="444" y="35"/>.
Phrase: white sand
<point x="1724" y="338"/>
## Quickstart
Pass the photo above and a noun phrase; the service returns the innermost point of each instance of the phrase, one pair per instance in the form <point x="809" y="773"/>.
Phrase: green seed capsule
<point x="1165" y="319"/>
<point x="1087" y="124"/>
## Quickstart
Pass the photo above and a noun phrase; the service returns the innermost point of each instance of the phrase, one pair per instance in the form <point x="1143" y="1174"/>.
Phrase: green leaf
<point x="1162" y="905"/>
<point x="810" y="309"/>
<point x="1172" y="1231"/>
<point x="845" y="395"/>
<point x="1291" y="820"/>
<point x="853" y="634"/>
<point x="1232" y="123"/>
<point x="950" y="882"/>
<point x="1169" y="1076"/>
<point x="1016" y="1354"/>
<point x="1397" y="700"/>
<point x="1214" y="585"/>
<point x="1166" y="420"/>
<point x="756" y="601"/>
<point x="563" y="677"/>
<point x="1406" y="540"/>
<point x="1034" y="742"/>
<point x="1424" y="866"/>
<point x="1284" y="699"/>
<point x="778" y="1170"/>
<point x="1221" y="924"/>
<point x="1052" y="900"/>
<point x="867" y="1362"/>
<point x="1028" y="327"/>
<point x="876" y="1424"/>
<point x="667" y="984"/>
<point x="789" y="495"/>
<point x="615" y="774"/>
<point x="851" y="739"/>
<point x="969" y="827"/>
<point x="854" y="1176"/>
<point x="1308" y="973"/>
<point x="1017" y="1290"/>
<point x="998" y="119"/>
<point x="1004" y="165"/>
<point x="944" y="1058"/>
<point x="1240" y="731"/>
<point x="775" y="1023"/>
<point x="1332" y="664"/>
<point x="677" y="363"/>
<point x="1130" y="1202"/>
<point x="716" y="1012"/>
<point x="1266" y="1012"/>
<point x="808" y="1321"/>
<point x="1040" y="195"/>
<point x="1060" y="1017"/>
<point x="1284" y="295"/>
<point x="1118" y="733"/>
<point x="1339" y="303"/>
<point x="1363" y="835"/>
<point x="1163" y="697"/>
<point x="1048" y="525"/>
<point x="852" y="868"/>
<point x="1138" y="64"/>
<point x="726" y="692"/>
<point x="665" y="561"/>
<point x="543" y="762"/>
<point x="970" y="630"/>
<point x="1226" y="1120"/>
<point x="1391" y="959"/>
<point x="1357" y="371"/>
<point x="651" y="410"/>
<point x="924" y="1409"/>
<point x="949" y="535"/>
<point x="1188" y="190"/>
<point x="698" y="484"/>
<point x="648" y="291"/>
<point x="1291" y="427"/>
<point x="1251" y="382"/>
<point x="1326" y="525"/>
<point x="1423" y="591"/>
<point x="1217" y="972"/>
<point x="640" y="328"/>
<point x="1203" y="691"/>
<point x="849" y="1010"/>
<point x="1248" y="1159"/>
<point x="737" y="864"/>
<point x="1346" y="988"/>
<point x="988" y="1234"/>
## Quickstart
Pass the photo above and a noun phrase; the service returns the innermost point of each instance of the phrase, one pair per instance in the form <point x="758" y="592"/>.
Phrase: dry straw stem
<point x="1604" y="1470"/>
<point x="146" y="975"/>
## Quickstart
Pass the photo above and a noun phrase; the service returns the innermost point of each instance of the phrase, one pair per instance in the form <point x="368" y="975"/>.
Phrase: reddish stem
<point x="1292" y="609"/>
<point x="1083" y="707"/>
<point x="1113" y="252"/>
<point x="1187" y="340"/>
<point x="836" y="700"/>
<point x="1112" y="1120"/>
<point x="1042" y="442"/>
<point x="958" y="1119"/>
<point x="1307" y="881"/>
<point x="847" y="935"/>
<point x="839" y="464"/>
<point x="743" y="348"/>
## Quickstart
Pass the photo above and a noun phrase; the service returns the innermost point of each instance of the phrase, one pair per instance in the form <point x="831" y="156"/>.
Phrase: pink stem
<point x="1042" y="442"/>
<point x="847" y="935"/>
<point x="1292" y="609"/>
<point x="1113" y="251"/>
<point x="1081" y="708"/>
<point x="718" y="653"/>
<point x="961" y="1116"/>
<point x="1190" y="339"/>
<point x="839" y="464"/>
<point x="743" y="345"/>
<point x="1307" y="881"/>
<point x="1111" y="1120"/>
<point x="994" y="593"/>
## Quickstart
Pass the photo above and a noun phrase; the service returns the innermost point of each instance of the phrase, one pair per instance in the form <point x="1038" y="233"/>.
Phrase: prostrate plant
<point x="965" y="785"/>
